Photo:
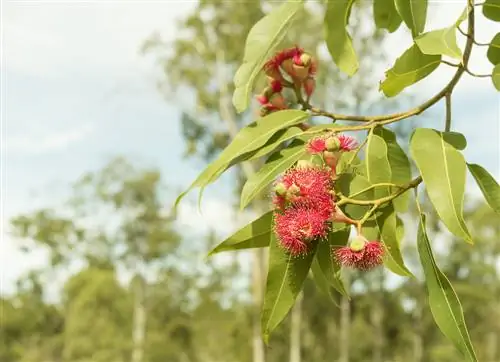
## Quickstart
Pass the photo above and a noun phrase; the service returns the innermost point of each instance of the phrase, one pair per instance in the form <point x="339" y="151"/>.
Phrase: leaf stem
<point x="475" y="42"/>
<point x="376" y="203"/>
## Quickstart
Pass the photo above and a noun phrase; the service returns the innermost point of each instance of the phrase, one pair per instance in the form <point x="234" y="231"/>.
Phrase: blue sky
<point x="76" y="92"/>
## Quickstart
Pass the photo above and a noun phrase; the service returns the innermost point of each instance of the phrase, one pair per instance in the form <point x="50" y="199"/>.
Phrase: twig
<point x="394" y="117"/>
<point x="401" y="189"/>
<point x="474" y="40"/>
<point x="447" y="125"/>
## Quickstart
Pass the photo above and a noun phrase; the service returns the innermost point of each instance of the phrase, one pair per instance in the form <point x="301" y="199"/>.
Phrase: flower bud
<point x="309" y="86"/>
<point x="332" y="144"/>
<point x="262" y="99"/>
<point x="274" y="74"/>
<point x="358" y="243"/>
<point x="331" y="158"/>
<point x="303" y="59"/>
<point x="300" y="72"/>
<point x="276" y="86"/>
<point x="278" y="101"/>
<point x="305" y="164"/>
<point x="280" y="189"/>
<point x="287" y="66"/>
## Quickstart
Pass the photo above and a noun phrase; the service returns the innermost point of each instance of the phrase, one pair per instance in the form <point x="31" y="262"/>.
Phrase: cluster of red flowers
<point x="305" y="205"/>
<point x="291" y="68"/>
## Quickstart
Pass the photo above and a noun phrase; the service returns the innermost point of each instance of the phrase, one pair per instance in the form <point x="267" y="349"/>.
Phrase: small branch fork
<point x="370" y="122"/>
<point x="380" y="120"/>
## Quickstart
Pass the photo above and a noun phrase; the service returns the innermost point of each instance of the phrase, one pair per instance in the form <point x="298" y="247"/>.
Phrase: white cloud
<point x="35" y="142"/>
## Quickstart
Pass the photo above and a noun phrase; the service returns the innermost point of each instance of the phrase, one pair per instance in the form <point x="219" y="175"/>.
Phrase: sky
<point x="76" y="92"/>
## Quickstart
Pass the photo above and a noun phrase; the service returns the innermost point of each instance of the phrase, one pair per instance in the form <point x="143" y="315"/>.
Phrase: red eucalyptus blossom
<point x="307" y="186"/>
<point x="361" y="254"/>
<point x="297" y="227"/>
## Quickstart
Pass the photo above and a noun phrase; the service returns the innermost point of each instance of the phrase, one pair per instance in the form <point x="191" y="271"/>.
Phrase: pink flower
<point x="316" y="145"/>
<point x="311" y="187"/>
<point x="347" y="143"/>
<point x="296" y="228"/>
<point x="361" y="254"/>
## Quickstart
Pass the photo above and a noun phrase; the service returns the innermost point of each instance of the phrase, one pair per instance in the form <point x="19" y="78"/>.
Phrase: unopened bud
<point x="280" y="189"/>
<point x="262" y="99"/>
<point x="278" y="101"/>
<point x="309" y="86"/>
<point x="287" y="66"/>
<point x="305" y="164"/>
<point x="332" y="143"/>
<point x="276" y="86"/>
<point x="331" y="158"/>
<point x="305" y="59"/>
<point x="358" y="243"/>
<point x="274" y="74"/>
<point x="300" y="72"/>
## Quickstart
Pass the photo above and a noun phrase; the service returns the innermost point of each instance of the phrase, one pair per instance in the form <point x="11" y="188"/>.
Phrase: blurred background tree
<point x="140" y="294"/>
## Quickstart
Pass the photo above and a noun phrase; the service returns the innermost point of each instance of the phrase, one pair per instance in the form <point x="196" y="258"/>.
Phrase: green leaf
<point x="350" y="184"/>
<point x="443" y="171"/>
<point x="491" y="9"/>
<point x="378" y="168"/>
<point x="443" y="301"/>
<point x="413" y="13"/>
<point x="256" y="234"/>
<point x="391" y="237"/>
<point x="276" y="164"/>
<point x="277" y="139"/>
<point x="250" y="138"/>
<point x="285" y="278"/>
<point x="320" y="280"/>
<point x="410" y="68"/>
<point x="440" y="42"/>
<point x="463" y="16"/>
<point x="488" y="185"/>
<point x="327" y="261"/>
<point x="261" y="42"/>
<point x="495" y="77"/>
<point x="455" y="139"/>
<point x="399" y="166"/>
<point x="337" y="38"/>
<point x="386" y="16"/>
<point x="493" y="53"/>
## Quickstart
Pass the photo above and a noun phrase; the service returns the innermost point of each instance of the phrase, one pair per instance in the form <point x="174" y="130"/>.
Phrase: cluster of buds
<point x="305" y="208"/>
<point x="292" y="68"/>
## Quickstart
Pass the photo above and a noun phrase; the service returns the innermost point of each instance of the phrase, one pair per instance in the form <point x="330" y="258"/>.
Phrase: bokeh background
<point x="111" y="108"/>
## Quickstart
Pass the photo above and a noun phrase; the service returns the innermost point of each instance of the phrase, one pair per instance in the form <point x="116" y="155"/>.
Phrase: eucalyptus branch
<point x="378" y="202"/>
<point x="395" y="117"/>
<point x="477" y="75"/>
<point x="371" y="187"/>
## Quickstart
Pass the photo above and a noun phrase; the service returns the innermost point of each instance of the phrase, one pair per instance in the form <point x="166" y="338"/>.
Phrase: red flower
<point x="347" y="143"/>
<point x="316" y="145"/>
<point x="297" y="227"/>
<point x="311" y="187"/>
<point x="361" y="254"/>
